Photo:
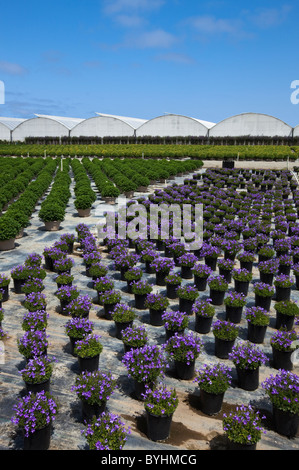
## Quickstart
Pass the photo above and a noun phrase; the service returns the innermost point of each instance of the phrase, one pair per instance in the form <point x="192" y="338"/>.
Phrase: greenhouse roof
<point x="66" y="121"/>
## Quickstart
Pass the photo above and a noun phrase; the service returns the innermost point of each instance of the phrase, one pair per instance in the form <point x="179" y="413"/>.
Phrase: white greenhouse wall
<point x="4" y="132"/>
<point x="251" y="124"/>
<point x="39" y="127"/>
<point x="172" y="125"/>
<point x="296" y="131"/>
<point x="102" y="127"/>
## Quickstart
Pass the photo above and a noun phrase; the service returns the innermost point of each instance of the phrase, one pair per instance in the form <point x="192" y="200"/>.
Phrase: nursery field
<point x="251" y="229"/>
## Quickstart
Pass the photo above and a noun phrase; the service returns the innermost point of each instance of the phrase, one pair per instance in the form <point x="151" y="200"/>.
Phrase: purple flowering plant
<point x="243" y="425"/>
<point x="242" y="274"/>
<point x="173" y="279"/>
<point x="133" y="274"/>
<point x="203" y="308"/>
<point x="67" y="293"/>
<point x="235" y="299"/>
<point x="134" y="336"/>
<point x="33" y="343"/>
<point x="107" y="432"/>
<point x="283" y="390"/>
<point x="246" y="256"/>
<point x="110" y="297"/>
<point x="145" y="364"/>
<point x="161" y="401"/>
<point x="35" y="411"/>
<point x="210" y="251"/>
<point x="91" y="257"/>
<point x="103" y="284"/>
<point x="94" y="387"/>
<point x="4" y="280"/>
<point x="97" y="269"/>
<point x="218" y="283"/>
<point x="226" y="264"/>
<point x="36" y="320"/>
<point x="79" y="307"/>
<point x="285" y="260"/>
<point x="32" y="285"/>
<point x="263" y="290"/>
<point x="270" y="266"/>
<point x="141" y="287"/>
<point x="35" y="301"/>
<point x="156" y="301"/>
<point x="284" y="340"/>
<point x="123" y="313"/>
<point x="267" y="251"/>
<point x="188" y="260"/>
<point x="283" y="280"/>
<point x="20" y="272"/>
<point x="287" y="307"/>
<point x="33" y="259"/>
<point x="63" y="265"/>
<point x="184" y="348"/>
<point x="88" y="346"/>
<point x="214" y="378"/>
<point x="175" y="320"/>
<point x="257" y="316"/>
<point x="226" y="330"/>
<point x="38" y="370"/>
<point x="247" y="356"/>
<point x="162" y="265"/>
<point x="64" y="279"/>
<point x="78" y="327"/>
<point x="201" y="270"/>
<point x="187" y="292"/>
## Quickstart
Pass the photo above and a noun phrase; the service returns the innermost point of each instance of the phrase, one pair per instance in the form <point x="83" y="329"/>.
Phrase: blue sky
<point x="143" y="58"/>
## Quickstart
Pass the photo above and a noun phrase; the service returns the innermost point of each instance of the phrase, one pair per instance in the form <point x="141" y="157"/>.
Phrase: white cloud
<point x="176" y="58"/>
<point x="270" y="17"/>
<point x="154" y="39"/>
<point x="112" y="7"/>
<point x="12" y="68"/>
<point x="212" y="25"/>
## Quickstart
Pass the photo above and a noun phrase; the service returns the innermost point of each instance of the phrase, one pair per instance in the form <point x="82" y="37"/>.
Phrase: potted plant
<point x="123" y="317"/>
<point x="141" y="289"/>
<point x="37" y="374"/>
<point x="268" y="269"/>
<point x="283" y="391"/>
<point x="263" y="295"/>
<point x="258" y="320"/>
<point x="225" y="334"/>
<point x="172" y="281"/>
<point x="52" y="215"/>
<point x="174" y="321"/>
<point x="96" y="270"/>
<point x="187" y="261"/>
<point x="33" y="343"/>
<point x="285" y="264"/>
<point x="286" y="312"/>
<point x="157" y="304"/>
<point x="147" y="257"/>
<point x="19" y="275"/>
<point x="132" y="274"/>
<point x="187" y="296"/>
<point x="201" y="272"/>
<point x="234" y="303"/>
<point x="210" y="254"/>
<point x="66" y="294"/>
<point x="35" y="301"/>
<point x="33" y="260"/>
<point x="64" y="279"/>
<point x="283" y="344"/>
<point x="242" y="277"/>
<point x="204" y="314"/>
<point x="9" y="229"/>
<point x="161" y="266"/>
<point x="107" y="432"/>
<point x="246" y="259"/>
<point x="247" y="360"/>
<point x="213" y="381"/>
<point x="4" y="286"/>
<point x="160" y="405"/>
<point x="225" y="268"/>
<point x="83" y="204"/>
<point x="37" y="320"/>
<point x="218" y="286"/>
<point x="144" y="365"/>
<point x="76" y="328"/>
<point x="69" y="239"/>
<point x="243" y="428"/>
<point x="88" y="350"/>
<point x="35" y="414"/>
<point x="79" y="307"/>
<point x="134" y="337"/>
<point x="184" y="350"/>
<point x="110" y="298"/>
<point x="283" y="284"/>
<point x="265" y="253"/>
<point x="32" y="285"/>
<point x="296" y="274"/>
<point x="94" y="389"/>
<point x="103" y="284"/>
<point x="63" y="265"/>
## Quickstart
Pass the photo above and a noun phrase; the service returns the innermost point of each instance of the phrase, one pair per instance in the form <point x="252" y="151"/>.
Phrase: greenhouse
<point x="174" y="125"/>
<point x="106" y="125"/>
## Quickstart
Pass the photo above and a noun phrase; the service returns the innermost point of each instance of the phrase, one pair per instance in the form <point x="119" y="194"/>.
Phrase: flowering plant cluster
<point x="148" y="255"/>
<point x="184" y="348"/>
<point x="94" y="387"/>
<point x="231" y="247"/>
<point x="64" y="279"/>
<point x="141" y="287"/>
<point x="4" y="280"/>
<point x="243" y="425"/>
<point x="268" y="267"/>
<point x="218" y="283"/>
<point x="282" y="280"/>
<point x="63" y="265"/>
<point x="91" y="257"/>
<point x="103" y="284"/>
<point x="173" y="278"/>
<point x="214" y="378"/>
<point x="175" y="321"/>
<point x="287" y="307"/>
<point x="107" y="432"/>
<point x="226" y="330"/>
<point x="284" y="340"/>
<point x="145" y="364"/>
<point x="257" y="316"/>
<point x="67" y="293"/>
<point x="156" y="301"/>
<point x="33" y="259"/>
<point x="203" y="308"/>
<point x="210" y="251"/>
<point x="36" y="272"/>
<point x="235" y="299"/>
<point x="187" y="292"/>
<point x="246" y="356"/>
<point x="20" y="272"/>
<point x="285" y="260"/>
<point x="283" y="390"/>
<point x="36" y="320"/>
<point x="263" y="290"/>
<point x="126" y="260"/>
<point x="88" y="346"/>
<point x="242" y="274"/>
<point x="32" y="285"/>
<point x="246" y="256"/>
<point x="188" y="260"/>
<point x="282" y="244"/>
<point x="134" y="336"/>
<point x="79" y="307"/>
<point x="266" y="251"/>
<point x="110" y="297"/>
<point x="123" y="313"/>
<point x="133" y="274"/>
<point x="38" y="370"/>
<point x="78" y="327"/>
<point x="35" y="411"/>
<point x="226" y="264"/>
<point x="162" y="265"/>
<point x="201" y="270"/>
<point x="33" y="343"/>
<point x="161" y="401"/>
<point x="97" y="270"/>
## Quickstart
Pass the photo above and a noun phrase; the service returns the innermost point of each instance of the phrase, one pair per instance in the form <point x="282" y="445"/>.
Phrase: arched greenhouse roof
<point x="173" y="125"/>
